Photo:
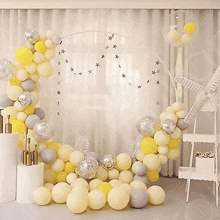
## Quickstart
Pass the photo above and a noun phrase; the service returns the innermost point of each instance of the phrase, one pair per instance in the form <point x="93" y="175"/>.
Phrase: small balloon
<point x="147" y="126"/>
<point x="5" y="70"/>
<point x="168" y="126"/>
<point x="27" y="85"/>
<point x="108" y="161"/>
<point x="43" y="131"/>
<point x="56" y="39"/>
<point x="25" y="98"/>
<point x="87" y="168"/>
<point x="181" y="124"/>
<point x="48" y="155"/>
<point x="40" y="112"/>
<point x="31" y="36"/>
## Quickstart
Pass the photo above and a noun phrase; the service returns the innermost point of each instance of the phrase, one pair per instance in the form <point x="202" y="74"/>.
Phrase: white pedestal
<point x="8" y="166"/>
<point x="206" y="165"/>
<point x="28" y="179"/>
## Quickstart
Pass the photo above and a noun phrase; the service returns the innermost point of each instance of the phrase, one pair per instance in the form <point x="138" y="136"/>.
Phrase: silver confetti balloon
<point x="5" y="69"/>
<point x="25" y="98"/>
<point x="31" y="36"/>
<point x="147" y="126"/>
<point x="87" y="168"/>
<point x="43" y="131"/>
<point x="108" y="161"/>
<point x="168" y="126"/>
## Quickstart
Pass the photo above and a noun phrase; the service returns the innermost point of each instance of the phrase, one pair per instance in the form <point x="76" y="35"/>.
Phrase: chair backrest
<point x="209" y="106"/>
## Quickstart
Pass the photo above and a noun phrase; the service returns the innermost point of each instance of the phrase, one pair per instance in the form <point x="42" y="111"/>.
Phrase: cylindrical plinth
<point x="28" y="179"/>
<point x="8" y="167"/>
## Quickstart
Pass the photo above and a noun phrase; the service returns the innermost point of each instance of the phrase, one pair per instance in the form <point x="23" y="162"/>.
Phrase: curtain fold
<point x="104" y="79"/>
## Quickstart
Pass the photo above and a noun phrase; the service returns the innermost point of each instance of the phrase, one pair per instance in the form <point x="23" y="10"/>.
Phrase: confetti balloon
<point x="108" y="162"/>
<point x="87" y="168"/>
<point x="25" y="98"/>
<point x="147" y="126"/>
<point x="48" y="155"/>
<point x="43" y="131"/>
<point x="139" y="198"/>
<point x="168" y="126"/>
<point x="92" y="154"/>
<point x="5" y="69"/>
<point x="31" y="36"/>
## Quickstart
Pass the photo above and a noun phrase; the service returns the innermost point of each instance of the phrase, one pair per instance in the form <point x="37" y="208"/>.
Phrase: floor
<point x="201" y="206"/>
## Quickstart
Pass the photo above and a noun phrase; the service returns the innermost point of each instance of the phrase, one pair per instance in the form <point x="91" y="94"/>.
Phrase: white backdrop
<point x="105" y="78"/>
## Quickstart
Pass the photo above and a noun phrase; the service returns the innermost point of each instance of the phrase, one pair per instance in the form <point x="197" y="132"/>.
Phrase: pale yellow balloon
<point x="50" y="176"/>
<point x="71" y="177"/>
<point x="115" y="183"/>
<point x="22" y="74"/>
<point x="161" y="138"/>
<point x="126" y="176"/>
<point x="163" y="149"/>
<point x="118" y="198"/>
<point x="80" y="181"/>
<point x="138" y="184"/>
<point x="172" y="117"/>
<point x="43" y="37"/>
<point x="31" y="68"/>
<point x="38" y="57"/>
<point x="126" y="187"/>
<point x="93" y="184"/>
<point x="152" y="161"/>
<point x="140" y="155"/>
<point x="50" y="54"/>
<point x="45" y="69"/>
<point x="178" y="106"/>
<point x="49" y="34"/>
<point x="156" y="195"/>
<point x="49" y="186"/>
<point x="185" y="38"/>
<point x="49" y="44"/>
<point x="182" y="113"/>
<point x="10" y="110"/>
<point x="42" y="196"/>
<point x="123" y="161"/>
<point x="64" y="152"/>
<point x="177" y="133"/>
<point x="13" y="92"/>
<point x="170" y="109"/>
<point x="163" y="159"/>
<point x="77" y="202"/>
<point x="102" y="174"/>
<point x="173" y="154"/>
<point x="113" y="174"/>
<point x="163" y="116"/>
<point x="75" y="157"/>
<point x="18" y="106"/>
<point x="97" y="199"/>
<point x="79" y="188"/>
<point x="41" y="146"/>
<point x="60" y="192"/>
<point x="36" y="97"/>
<point x="34" y="77"/>
<point x="58" y="165"/>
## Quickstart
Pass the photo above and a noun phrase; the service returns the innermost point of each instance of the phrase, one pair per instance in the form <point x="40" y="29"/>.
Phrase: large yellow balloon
<point x="173" y="143"/>
<point x="10" y="110"/>
<point x="45" y="70"/>
<point x="40" y="46"/>
<point x="149" y="146"/>
<point x="14" y="82"/>
<point x="18" y="126"/>
<point x="29" y="110"/>
<point x="24" y="56"/>
<point x="13" y="92"/>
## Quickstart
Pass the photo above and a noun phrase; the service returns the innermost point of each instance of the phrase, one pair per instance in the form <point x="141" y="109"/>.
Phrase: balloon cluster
<point x="22" y="94"/>
<point x="174" y="37"/>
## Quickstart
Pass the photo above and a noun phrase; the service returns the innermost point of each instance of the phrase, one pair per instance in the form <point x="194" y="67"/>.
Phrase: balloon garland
<point x="71" y="176"/>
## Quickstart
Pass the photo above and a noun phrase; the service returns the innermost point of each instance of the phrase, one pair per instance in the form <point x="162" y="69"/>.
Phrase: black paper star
<point x="80" y="73"/>
<point x="123" y="75"/>
<point x="59" y="63"/>
<point x="119" y="66"/>
<point x="114" y="46"/>
<point x="116" y="56"/>
<point x="97" y="65"/>
<point x="59" y="53"/>
<point x="129" y="83"/>
<point x="58" y="73"/>
<point x="158" y="82"/>
<point x="157" y="103"/>
<point x="110" y="38"/>
<point x="58" y="83"/>
<point x="63" y="51"/>
<point x="157" y="62"/>
<point x="58" y="92"/>
<point x="153" y="72"/>
<point x="61" y="42"/>
<point x="66" y="61"/>
<point x="103" y="56"/>
<point x="58" y="103"/>
<point x="148" y="81"/>
<point x="71" y="69"/>
<point x="107" y="47"/>
<point x="139" y="87"/>
<point x="158" y="71"/>
<point x="58" y="113"/>
<point x="90" y="71"/>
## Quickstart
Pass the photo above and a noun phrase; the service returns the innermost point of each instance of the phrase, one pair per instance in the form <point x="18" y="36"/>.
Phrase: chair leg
<point x="187" y="190"/>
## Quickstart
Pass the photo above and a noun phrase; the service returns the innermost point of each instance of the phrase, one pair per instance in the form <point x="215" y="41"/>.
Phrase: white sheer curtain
<point x="106" y="77"/>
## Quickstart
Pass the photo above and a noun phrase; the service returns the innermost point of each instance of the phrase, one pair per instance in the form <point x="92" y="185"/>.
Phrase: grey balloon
<point x="27" y="85"/>
<point x="181" y="124"/>
<point x="168" y="126"/>
<point x="40" y="112"/>
<point x="139" y="198"/>
<point x="108" y="161"/>
<point x="147" y="126"/>
<point x="5" y="101"/>
<point x="31" y="36"/>
<point x="5" y="69"/>
<point x="87" y="168"/>
<point x="142" y="178"/>
<point x="43" y="131"/>
<point x="25" y="98"/>
<point x="139" y="168"/>
<point x="93" y="155"/>
<point x="48" y="155"/>
<point x="31" y="121"/>
<point x="56" y="39"/>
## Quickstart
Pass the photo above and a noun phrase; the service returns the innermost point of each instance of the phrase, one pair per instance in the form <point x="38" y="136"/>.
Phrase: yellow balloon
<point x="105" y="187"/>
<point x="40" y="46"/>
<point x="173" y="143"/>
<point x="53" y="145"/>
<point x="50" y="176"/>
<point x="149" y="146"/>
<point x="13" y="92"/>
<point x="61" y="177"/>
<point x="24" y="55"/>
<point x="18" y="126"/>
<point x="152" y="175"/>
<point x="10" y="110"/>
<point x="29" y="110"/>
<point x="45" y="69"/>
<point x="14" y="82"/>
<point x="69" y="168"/>
<point x="190" y="28"/>
<point x="36" y="97"/>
